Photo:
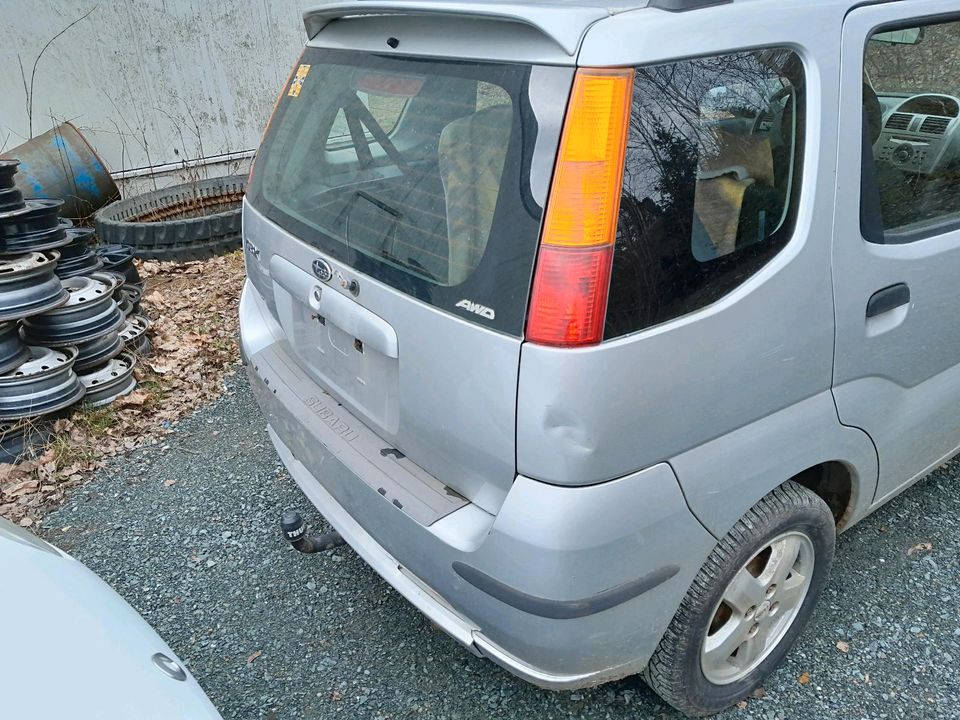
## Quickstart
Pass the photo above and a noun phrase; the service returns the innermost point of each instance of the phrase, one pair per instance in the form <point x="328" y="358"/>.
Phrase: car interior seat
<point x="472" y="151"/>
<point x="727" y="172"/>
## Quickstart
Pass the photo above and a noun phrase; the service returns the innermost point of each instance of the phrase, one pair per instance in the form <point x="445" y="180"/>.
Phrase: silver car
<point x="72" y="648"/>
<point x="589" y="327"/>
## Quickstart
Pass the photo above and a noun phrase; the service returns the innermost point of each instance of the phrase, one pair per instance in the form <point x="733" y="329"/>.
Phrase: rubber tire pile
<point x="187" y="222"/>
<point x="70" y="323"/>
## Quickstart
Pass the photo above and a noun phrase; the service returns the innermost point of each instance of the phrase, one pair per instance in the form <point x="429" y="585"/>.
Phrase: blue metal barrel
<point x="62" y="164"/>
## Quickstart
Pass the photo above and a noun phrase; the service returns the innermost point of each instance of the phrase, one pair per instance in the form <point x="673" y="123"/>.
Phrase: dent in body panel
<point x="588" y="416"/>
<point x="724" y="478"/>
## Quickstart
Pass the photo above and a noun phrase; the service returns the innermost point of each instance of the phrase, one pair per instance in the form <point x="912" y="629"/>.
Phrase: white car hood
<point x="72" y="648"/>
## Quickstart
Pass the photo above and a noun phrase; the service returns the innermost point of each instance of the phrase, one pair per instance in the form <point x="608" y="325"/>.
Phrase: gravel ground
<point x="187" y="533"/>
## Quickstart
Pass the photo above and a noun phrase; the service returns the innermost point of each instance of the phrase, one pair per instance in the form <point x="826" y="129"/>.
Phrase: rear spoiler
<point x="564" y="23"/>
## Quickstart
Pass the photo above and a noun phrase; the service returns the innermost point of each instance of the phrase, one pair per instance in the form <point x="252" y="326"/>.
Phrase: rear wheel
<point x="746" y="607"/>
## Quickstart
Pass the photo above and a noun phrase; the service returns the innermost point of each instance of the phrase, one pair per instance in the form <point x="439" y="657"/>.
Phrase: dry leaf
<point x="842" y="646"/>
<point x="920" y="547"/>
<point x="253" y="656"/>
<point x="336" y="696"/>
<point x="759" y="693"/>
<point x="168" y="483"/>
<point x="136" y="398"/>
<point x="26" y="521"/>
<point x="742" y="705"/>
<point x="804" y="678"/>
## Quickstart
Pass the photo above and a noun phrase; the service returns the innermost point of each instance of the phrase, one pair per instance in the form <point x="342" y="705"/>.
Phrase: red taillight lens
<point x="569" y="297"/>
<point x="568" y="302"/>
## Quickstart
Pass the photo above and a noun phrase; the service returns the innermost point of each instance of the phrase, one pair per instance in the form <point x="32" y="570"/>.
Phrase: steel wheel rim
<point x="757" y="608"/>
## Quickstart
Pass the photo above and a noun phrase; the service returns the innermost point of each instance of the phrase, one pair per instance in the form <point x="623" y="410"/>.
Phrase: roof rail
<point x="564" y="23"/>
<point x="684" y="5"/>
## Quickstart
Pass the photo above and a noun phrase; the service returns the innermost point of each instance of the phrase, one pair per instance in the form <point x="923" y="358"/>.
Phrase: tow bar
<point x="295" y="531"/>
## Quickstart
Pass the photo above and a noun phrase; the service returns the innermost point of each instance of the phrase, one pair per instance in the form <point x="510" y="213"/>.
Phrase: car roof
<point x="564" y="21"/>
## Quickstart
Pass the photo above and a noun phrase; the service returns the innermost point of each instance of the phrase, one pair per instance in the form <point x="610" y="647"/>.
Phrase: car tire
<point x="155" y="225"/>
<point x="751" y="599"/>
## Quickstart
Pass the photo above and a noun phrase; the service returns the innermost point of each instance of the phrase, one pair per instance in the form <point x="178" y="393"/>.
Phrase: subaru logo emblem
<point x="322" y="269"/>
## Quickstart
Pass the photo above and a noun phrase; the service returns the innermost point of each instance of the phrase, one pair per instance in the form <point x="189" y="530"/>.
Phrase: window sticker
<point x="298" y="79"/>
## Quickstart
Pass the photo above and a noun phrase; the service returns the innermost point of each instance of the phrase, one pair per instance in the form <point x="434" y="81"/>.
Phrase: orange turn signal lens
<point x="585" y="194"/>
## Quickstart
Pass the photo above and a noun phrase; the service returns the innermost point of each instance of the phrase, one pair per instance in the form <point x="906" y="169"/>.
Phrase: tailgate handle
<point x="346" y="314"/>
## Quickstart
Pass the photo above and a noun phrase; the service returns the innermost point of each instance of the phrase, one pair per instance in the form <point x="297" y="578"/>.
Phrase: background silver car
<point x="72" y="648"/>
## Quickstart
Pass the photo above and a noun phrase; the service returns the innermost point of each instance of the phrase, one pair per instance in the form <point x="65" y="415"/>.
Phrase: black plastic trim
<point x="564" y="609"/>
<point x="888" y="299"/>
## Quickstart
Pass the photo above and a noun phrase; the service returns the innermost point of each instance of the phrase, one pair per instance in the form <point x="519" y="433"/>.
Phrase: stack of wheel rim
<point x="70" y="322"/>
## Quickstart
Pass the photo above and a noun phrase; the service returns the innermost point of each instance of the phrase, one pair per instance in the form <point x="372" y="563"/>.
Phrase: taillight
<point x="568" y="301"/>
<point x="276" y="104"/>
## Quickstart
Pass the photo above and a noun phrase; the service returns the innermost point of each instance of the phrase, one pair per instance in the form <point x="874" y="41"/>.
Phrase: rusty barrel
<point x="62" y="164"/>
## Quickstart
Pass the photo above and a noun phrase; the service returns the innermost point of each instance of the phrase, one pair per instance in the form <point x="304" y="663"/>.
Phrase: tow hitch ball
<point x="295" y="531"/>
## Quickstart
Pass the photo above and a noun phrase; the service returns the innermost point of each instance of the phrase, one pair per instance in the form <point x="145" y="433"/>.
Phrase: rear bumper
<point x="565" y="587"/>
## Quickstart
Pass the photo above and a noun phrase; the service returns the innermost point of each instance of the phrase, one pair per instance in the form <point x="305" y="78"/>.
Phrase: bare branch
<point x="33" y="71"/>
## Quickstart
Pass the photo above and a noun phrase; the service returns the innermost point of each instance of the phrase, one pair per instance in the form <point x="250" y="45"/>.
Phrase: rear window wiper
<point x="380" y="204"/>
<point x="409" y="264"/>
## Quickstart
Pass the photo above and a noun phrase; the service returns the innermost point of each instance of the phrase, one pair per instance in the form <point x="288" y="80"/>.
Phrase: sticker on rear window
<point x="297" y="84"/>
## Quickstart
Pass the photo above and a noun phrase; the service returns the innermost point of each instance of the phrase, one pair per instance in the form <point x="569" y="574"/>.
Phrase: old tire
<point x="193" y="221"/>
<point x="731" y="600"/>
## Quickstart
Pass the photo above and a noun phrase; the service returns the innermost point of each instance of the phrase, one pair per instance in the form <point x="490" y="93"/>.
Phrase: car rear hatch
<point x="392" y="222"/>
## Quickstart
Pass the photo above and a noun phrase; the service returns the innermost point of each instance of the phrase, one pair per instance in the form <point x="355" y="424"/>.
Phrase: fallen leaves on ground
<point x="842" y="646"/>
<point x="804" y="678"/>
<point x="253" y="656"/>
<point x="920" y="547"/>
<point x="193" y="310"/>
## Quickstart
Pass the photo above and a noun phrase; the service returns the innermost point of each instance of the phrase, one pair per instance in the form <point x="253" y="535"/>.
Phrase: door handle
<point x="888" y="299"/>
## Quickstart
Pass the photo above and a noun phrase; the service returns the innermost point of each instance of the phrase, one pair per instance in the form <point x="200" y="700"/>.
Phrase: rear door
<point x="897" y="249"/>
<point x="395" y="207"/>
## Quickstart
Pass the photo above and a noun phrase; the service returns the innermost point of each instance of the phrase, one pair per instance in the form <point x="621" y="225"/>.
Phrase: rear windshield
<point x="414" y="172"/>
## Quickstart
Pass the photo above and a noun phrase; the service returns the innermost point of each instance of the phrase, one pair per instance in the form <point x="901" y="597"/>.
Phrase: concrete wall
<point x="165" y="90"/>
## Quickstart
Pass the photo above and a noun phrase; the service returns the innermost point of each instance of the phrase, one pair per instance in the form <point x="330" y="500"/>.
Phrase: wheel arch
<point x="805" y="442"/>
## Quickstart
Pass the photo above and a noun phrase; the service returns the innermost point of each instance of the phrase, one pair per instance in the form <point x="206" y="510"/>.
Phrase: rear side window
<point x="911" y="109"/>
<point x="711" y="182"/>
<point x="413" y="171"/>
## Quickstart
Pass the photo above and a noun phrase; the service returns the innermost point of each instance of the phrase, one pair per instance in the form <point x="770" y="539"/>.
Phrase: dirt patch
<point x="193" y="310"/>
